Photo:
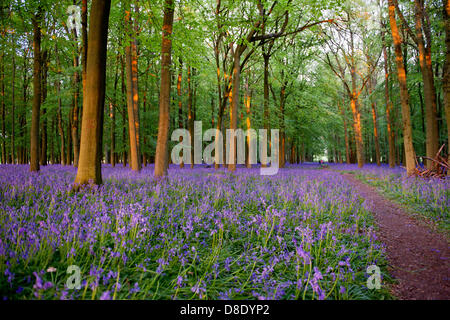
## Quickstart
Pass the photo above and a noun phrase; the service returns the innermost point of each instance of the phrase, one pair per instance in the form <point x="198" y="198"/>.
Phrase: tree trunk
<point x="347" y="144"/>
<point x="75" y="109"/>
<point x="84" y="39"/>
<point x="34" y="139"/>
<point x="13" y="106"/>
<point x="247" y="102"/>
<point x="191" y="117"/>
<point x="59" y="115"/>
<point x="180" y="101"/>
<point x="375" y="126"/>
<point x="132" y="96"/>
<point x="89" y="165"/>
<point x="390" y="133"/>
<point x="358" y="131"/>
<point x="161" y="159"/>
<point x="282" y="159"/>
<point x="404" y="95"/>
<point x="124" y="115"/>
<point x="432" y="135"/>
<point x="2" y="80"/>
<point x="44" y="61"/>
<point x="446" y="73"/>
<point x="234" y="107"/>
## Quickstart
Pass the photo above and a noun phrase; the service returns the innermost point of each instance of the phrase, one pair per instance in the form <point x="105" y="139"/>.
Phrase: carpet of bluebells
<point x="199" y="234"/>
<point x="429" y="198"/>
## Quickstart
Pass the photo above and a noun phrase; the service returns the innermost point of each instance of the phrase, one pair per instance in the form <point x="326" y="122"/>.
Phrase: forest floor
<point x="419" y="258"/>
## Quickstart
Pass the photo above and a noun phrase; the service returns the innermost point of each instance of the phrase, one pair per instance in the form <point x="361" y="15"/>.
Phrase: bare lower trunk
<point x="89" y="165"/>
<point x="34" y="147"/>
<point x="404" y="95"/>
<point x="233" y="108"/>
<point x="161" y="159"/>
<point x="432" y="135"/>
<point x="358" y="131"/>
<point x="446" y="76"/>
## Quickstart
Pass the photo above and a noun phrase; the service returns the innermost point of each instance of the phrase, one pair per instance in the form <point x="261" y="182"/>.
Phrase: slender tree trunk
<point x="375" y="125"/>
<point x="59" y="111"/>
<point x="432" y="134"/>
<point x="34" y="139"/>
<point x="347" y="144"/>
<point x="60" y="125"/>
<point x="22" y="117"/>
<point x="13" y="106"/>
<point x="75" y="102"/>
<point x="191" y="117"/>
<point x="132" y="96"/>
<point x="112" y="115"/>
<point x="247" y="102"/>
<point x="44" y="61"/>
<point x="234" y="106"/>
<point x="446" y="73"/>
<point x="282" y="125"/>
<point x="161" y="159"/>
<point x="124" y="115"/>
<point x="89" y="168"/>
<point x="84" y="39"/>
<point x="390" y="132"/>
<point x="266" y="58"/>
<point x="180" y="101"/>
<point x="2" y="80"/>
<point x="404" y="95"/>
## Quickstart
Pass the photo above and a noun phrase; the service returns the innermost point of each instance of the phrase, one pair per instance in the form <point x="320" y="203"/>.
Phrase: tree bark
<point x="13" y="105"/>
<point x="132" y="95"/>
<point x="404" y="95"/>
<point x="446" y="73"/>
<point x="89" y="165"/>
<point x="35" y="114"/>
<point x="2" y="80"/>
<point x="375" y="125"/>
<point x="44" y="61"/>
<point x="161" y="159"/>
<point x="432" y="134"/>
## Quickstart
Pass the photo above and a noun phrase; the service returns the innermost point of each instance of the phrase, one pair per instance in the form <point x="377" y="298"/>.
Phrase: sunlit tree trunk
<point x="247" y="102"/>
<point x="404" y="95"/>
<point x="132" y="95"/>
<point x="162" y="154"/>
<point x="432" y="134"/>
<point x="35" y="114"/>
<point x="390" y="132"/>
<point x="89" y="165"/>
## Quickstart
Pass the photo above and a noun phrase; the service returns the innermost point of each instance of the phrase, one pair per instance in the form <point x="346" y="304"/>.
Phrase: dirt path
<point x="418" y="257"/>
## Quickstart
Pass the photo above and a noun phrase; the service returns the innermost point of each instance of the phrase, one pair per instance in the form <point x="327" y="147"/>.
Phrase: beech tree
<point x="89" y="166"/>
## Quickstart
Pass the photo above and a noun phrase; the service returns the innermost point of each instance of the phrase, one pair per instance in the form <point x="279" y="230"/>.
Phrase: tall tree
<point x="132" y="92"/>
<point x="162" y="154"/>
<point x="404" y="95"/>
<point x="446" y="75"/>
<point x="422" y="38"/>
<point x="35" y="114"/>
<point x="89" y="165"/>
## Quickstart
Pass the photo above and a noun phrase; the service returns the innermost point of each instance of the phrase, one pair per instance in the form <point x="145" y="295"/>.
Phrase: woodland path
<point x="418" y="257"/>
